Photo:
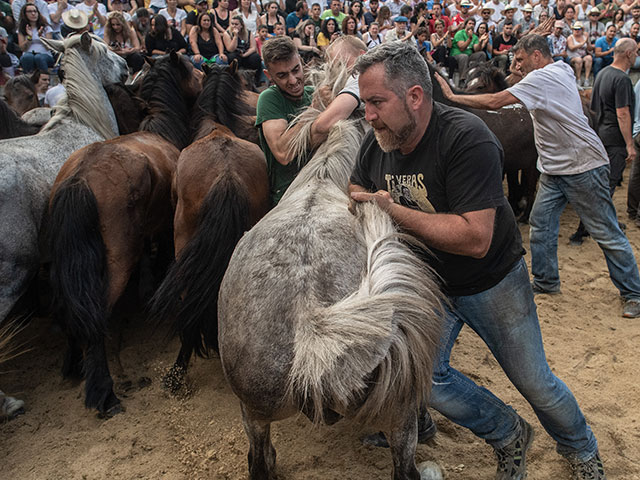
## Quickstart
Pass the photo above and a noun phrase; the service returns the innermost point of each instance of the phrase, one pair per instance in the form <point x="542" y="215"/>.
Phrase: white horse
<point x="328" y="313"/>
<point x="29" y="165"/>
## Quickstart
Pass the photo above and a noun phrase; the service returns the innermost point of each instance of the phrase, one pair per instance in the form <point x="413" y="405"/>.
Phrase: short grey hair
<point x="404" y="67"/>
<point x="532" y="42"/>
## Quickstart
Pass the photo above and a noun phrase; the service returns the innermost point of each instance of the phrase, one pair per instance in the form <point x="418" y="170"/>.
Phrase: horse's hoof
<point x="430" y="471"/>
<point x="11" y="407"/>
<point x="111" y="412"/>
<point x="173" y="380"/>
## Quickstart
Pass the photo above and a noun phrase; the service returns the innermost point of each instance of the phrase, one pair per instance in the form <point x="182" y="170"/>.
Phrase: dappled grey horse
<point x="29" y="165"/>
<point x="328" y="313"/>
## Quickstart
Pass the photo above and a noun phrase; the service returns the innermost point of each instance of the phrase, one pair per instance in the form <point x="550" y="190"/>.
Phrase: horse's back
<point x="300" y="257"/>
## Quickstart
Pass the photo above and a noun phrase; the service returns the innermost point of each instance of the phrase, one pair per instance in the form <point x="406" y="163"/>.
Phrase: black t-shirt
<point x="612" y="89"/>
<point x="500" y="45"/>
<point x="456" y="168"/>
<point x="176" y="43"/>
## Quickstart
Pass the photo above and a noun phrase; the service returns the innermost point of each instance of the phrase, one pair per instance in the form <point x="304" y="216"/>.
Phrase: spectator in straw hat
<point x="75" y="21"/>
<point x="593" y="28"/>
<point x="578" y="54"/>
<point x="527" y="23"/>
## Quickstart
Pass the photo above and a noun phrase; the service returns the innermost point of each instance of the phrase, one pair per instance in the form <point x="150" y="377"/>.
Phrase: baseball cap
<point x="401" y="18"/>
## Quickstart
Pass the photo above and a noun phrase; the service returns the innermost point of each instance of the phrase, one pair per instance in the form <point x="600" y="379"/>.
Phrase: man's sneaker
<point x="631" y="309"/>
<point x="512" y="458"/>
<point x="592" y="469"/>
<point x="537" y="290"/>
<point x="426" y="431"/>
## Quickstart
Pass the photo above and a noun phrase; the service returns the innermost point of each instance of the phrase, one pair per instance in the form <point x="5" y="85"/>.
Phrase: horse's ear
<point x="233" y="67"/>
<point x="206" y="68"/>
<point x="85" y="41"/>
<point x="55" y="45"/>
<point x="175" y="59"/>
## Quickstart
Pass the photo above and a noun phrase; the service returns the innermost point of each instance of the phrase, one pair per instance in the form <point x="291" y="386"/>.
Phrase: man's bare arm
<point x="340" y="109"/>
<point x="279" y="138"/>
<point x="487" y="101"/>
<point x="626" y="128"/>
<point x="468" y="234"/>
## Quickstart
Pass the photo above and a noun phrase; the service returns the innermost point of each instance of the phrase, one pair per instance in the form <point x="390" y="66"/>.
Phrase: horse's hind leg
<point x="73" y="362"/>
<point x="173" y="380"/>
<point x="262" y="455"/>
<point x="403" y="437"/>
<point x="99" y="384"/>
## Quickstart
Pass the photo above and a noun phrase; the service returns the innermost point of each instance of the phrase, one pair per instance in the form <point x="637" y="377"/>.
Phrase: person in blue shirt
<point x="294" y="18"/>
<point x="604" y="50"/>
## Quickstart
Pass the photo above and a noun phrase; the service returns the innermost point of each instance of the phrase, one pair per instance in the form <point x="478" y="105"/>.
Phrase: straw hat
<point x="75" y="19"/>
<point x="578" y="26"/>
<point x="487" y="7"/>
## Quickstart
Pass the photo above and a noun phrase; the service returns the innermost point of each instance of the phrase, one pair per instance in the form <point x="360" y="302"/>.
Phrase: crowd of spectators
<point x="456" y="34"/>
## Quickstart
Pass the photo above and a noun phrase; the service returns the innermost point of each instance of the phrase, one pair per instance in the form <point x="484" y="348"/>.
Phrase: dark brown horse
<point x="221" y="188"/>
<point x="11" y="125"/>
<point x="514" y="129"/>
<point x="21" y="94"/>
<point x="107" y="199"/>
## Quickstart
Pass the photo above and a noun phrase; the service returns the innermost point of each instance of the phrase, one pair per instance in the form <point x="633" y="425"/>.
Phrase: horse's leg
<point x="530" y="181"/>
<point x="99" y="384"/>
<point x="262" y="455"/>
<point x="72" y="366"/>
<point x="173" y="380"/>
<point x="402" y="436"/>
<point x="514" y="188"/>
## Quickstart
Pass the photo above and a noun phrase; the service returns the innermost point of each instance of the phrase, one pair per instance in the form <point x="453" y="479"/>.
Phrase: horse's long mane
<point x="221" y="99"/>
<point x="333" y="75"/>
<point x="168" y="107"/>
<point x="13" y="126"/>
<point x="85" y="99"/>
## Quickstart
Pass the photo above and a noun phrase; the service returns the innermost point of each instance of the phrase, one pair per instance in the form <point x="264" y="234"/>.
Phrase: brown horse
<point x="221" y="187"/>
<point x="107" y="199"/>
<point x="21" y="94"/>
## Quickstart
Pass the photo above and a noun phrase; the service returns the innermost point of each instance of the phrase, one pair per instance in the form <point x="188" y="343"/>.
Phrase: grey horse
<point x="29" y="165"/>
<point x="329" y="313"/>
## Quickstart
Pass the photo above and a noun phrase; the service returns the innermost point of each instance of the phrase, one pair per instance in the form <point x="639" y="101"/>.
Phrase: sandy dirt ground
<point x="200" y="435"/>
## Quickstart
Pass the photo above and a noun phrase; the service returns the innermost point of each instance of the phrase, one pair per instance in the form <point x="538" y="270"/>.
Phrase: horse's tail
<point x="374" y="350"/>
<point x="189" y="293"/>
<point x="78" y="266"/>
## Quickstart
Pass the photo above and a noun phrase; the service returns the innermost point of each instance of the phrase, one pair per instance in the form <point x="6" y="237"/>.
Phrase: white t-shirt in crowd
<point x="566" y="144"/>
<point x="96" y="28"/>
<point x="176" y="21"/>
<point x="158" y="3"/>
<point x="36" y="44"/>
<point x="54" y="95"/>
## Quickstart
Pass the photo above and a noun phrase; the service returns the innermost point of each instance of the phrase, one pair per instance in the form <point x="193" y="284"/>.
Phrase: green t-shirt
<point x="328" y="13"/>
<point x="273" y="105"/>
<point x="461" y="36"/>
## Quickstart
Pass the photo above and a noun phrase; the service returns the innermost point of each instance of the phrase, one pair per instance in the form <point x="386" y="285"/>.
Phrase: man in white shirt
<point x="574" y="167"/>
<point x="498" y="7"/>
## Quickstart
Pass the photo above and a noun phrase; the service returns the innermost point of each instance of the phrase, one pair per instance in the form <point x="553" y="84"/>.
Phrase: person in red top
<point x="437" y="15"/>
<point x="458" y="21"/>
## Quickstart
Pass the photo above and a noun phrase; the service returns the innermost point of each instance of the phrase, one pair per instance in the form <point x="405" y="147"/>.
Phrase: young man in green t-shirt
<point x="277" y="107"/>
<point x="466" y="49"/>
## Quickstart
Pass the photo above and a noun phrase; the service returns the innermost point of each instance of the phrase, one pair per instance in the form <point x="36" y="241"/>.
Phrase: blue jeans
<point x="588" y="193"/>
<point x="31" y="61"/>
<point x="600" y="62"/>
<point x="505" y="318"/>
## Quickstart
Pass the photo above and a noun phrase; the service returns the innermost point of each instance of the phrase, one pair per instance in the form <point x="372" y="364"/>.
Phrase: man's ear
<point x="415" y="97"/>
<point x="266" y="72"/>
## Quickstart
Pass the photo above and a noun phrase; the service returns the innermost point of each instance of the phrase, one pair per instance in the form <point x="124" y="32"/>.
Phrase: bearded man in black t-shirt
<point x="437" y="170"/>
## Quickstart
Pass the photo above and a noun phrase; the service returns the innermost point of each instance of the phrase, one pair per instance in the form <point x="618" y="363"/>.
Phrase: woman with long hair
<point x="31" y="28"/>
<point x="350" y="27"/>
<point x="305" y="40"/>
<point x="162" y="38"/>
<point x="271" y="17"/>
<point x="176" y="17"/>
<point x="356" y="10"/>
<point x="221" y="16"/>
<point x="240" y="45"/>
<point x="206" y="43"/>
<point x="141" y="23"/>
<point x="122" y="39"/>
<point x="441" y="44"/>
<point x="384" y="21"/>
<point x="328" y="33"/>
<point x="250" y="14"/>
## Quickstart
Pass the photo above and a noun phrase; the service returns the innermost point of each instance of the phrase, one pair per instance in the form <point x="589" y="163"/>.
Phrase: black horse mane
<point x="437" y="95"/>
<point x="221" y="99"/>
<point x="167" y="105"/>
<point x="13" y="126"/>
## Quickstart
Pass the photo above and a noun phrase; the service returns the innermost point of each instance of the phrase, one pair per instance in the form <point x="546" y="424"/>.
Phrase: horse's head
<point x="221" y="98"/>
<point x="485" y="78"/>
<point x="21" y="94"/>
<point x="189" y="78"/>
<point x="106" y="66"/>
